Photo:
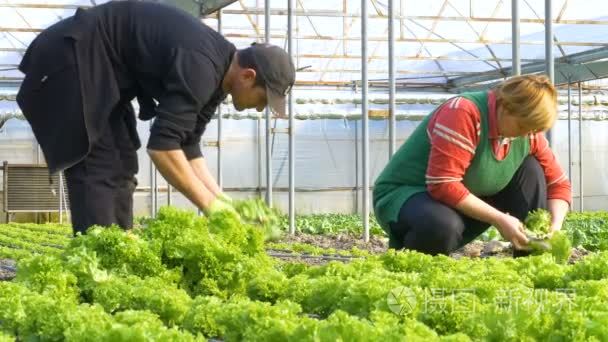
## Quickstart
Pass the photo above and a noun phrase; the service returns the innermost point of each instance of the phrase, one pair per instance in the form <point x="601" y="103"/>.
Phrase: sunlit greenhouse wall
<point x="328" y="157"/>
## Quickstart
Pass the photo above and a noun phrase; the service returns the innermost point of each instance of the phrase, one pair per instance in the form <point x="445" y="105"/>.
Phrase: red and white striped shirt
<point x="454" y="132"/>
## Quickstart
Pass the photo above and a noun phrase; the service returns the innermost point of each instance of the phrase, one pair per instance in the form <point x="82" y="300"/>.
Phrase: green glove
<point x="219" y="205"/>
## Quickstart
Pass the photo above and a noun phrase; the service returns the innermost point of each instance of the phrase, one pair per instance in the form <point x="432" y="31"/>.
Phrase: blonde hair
<point x="530" y="98"/>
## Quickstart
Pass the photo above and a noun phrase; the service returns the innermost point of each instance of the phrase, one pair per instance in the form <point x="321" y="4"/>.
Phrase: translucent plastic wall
<point x="326" y="160"/>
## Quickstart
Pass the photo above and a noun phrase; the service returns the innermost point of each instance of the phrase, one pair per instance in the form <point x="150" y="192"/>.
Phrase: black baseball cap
<point x="276" y="68"/>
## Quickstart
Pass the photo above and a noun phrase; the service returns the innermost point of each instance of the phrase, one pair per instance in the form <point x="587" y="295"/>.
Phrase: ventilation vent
<point x="27" y="189"/>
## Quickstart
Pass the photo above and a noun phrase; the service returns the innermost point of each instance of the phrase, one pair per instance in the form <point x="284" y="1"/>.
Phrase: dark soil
<point x="378" y="245"/>
<point x="375" y="245"/>
<point x="7" y="269"/>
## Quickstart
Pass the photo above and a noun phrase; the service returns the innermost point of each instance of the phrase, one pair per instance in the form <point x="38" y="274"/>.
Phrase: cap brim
<point x="276" y="102"/>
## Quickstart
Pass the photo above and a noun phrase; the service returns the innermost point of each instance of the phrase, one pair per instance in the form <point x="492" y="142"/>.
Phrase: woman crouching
<point x="479" y="159"/>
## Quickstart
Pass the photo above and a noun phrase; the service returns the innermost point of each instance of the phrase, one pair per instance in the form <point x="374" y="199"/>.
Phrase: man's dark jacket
<point x="81" y="69"/>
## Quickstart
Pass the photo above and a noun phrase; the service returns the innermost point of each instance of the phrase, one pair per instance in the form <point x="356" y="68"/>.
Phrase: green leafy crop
<point x="542" y="240"/>
<point x="538" y="223"/>
<point x="183" y="277"/>
<point x="256" y="212"/>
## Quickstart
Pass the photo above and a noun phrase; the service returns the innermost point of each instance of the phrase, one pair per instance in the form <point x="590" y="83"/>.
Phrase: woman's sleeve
<point x="454" y="135"/>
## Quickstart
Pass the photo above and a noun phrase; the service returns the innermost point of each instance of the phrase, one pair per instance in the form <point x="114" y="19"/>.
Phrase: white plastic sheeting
<point x="326" y="153"/>
<point x="466" y="39"/>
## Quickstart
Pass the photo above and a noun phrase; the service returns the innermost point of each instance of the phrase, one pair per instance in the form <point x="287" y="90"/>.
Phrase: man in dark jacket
<point x="82" y="73"/>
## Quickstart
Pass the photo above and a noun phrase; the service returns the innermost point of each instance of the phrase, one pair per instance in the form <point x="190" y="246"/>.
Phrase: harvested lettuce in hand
<point x="538" y="222"/>
<point x="257" y="213"/>
<point x="538" y="231"/>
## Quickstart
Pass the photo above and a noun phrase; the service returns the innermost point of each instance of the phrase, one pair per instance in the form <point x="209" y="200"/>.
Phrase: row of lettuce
<point x="186" y="277"/>
<point x="588" y="230"/>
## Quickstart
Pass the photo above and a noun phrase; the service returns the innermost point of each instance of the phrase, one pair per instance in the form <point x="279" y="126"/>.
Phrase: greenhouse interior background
<point x="322" y="267"/>
<point x="441" y="48"/>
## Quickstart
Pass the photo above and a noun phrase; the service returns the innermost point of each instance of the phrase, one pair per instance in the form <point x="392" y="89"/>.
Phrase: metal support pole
<point x="515" y="45"/>
<point x="38" y="161"/>
<point x="580" y="146"/>
<point x="152" y="207"/>
<point x="220" y="141"/>
<point x="569" y="134"/>
<point x="260" y="127"/>
<point x="365" y="135"/>
<point x="155" y="192"/>
<point x="292" y="128"/>
<point x="61" y="197"/>
<point x="268" y="116"/>
<point x="5" y="193"/>
<point x="38" y="154"/>
<point x="345" y="27"/>
<point x="401" y="26"/>
<point x="549" y="63"/>
<point x="220" y="178"/>
<point x="169" y="194"/>
<point x="357" y="192"/>
<point x="391" y="78"/>
<point x="152" y="185"/>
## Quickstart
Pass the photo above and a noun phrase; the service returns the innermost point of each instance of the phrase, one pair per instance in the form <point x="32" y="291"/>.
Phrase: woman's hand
<point x="558" y="209"/>
<point x="509" y="227"/>
<point x="512" y="229"/>
<point x="554" y="228"/>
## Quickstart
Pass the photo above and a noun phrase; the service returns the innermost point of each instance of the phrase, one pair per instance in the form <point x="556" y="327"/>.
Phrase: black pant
<point x="428" y="226"/>
<point x="101" y="186"/>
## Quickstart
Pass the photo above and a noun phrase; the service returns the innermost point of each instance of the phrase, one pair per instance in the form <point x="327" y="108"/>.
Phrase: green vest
<point x="404" y="176"/>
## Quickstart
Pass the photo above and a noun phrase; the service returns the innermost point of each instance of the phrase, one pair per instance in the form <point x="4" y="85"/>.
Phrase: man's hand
<point x="222" y="196"/>
<point x="219" y="205"/>
<point x="175" y="168"/>
<point x="199" y="166"/>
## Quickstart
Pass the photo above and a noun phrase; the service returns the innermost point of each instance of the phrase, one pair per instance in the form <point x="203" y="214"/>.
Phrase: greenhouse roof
<point x="440" y="44"/>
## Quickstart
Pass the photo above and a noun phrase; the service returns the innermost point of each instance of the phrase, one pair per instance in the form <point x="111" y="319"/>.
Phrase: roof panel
<point x="433" y="35"/>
